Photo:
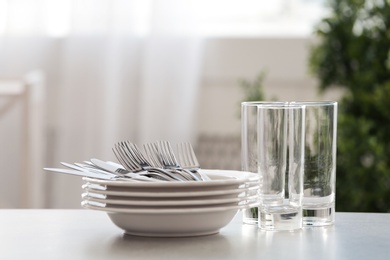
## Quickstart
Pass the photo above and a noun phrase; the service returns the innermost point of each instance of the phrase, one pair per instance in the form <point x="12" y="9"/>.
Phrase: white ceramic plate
<point x="173" y="194"/>
<point x="218" y="178"/>
<point x="151" y="198"/>
<point x="171" y="189"/>
<point x="158" y="208"/>
<point x="168" y="203"/>
<point x="172" y="222"/>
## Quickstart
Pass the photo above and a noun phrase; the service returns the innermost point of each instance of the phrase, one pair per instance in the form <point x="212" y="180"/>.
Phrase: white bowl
<point x="140" y="202"/>
<point x="172" y="193"/>
<point x="170" y="222"/>
<point x="220" y="179"/>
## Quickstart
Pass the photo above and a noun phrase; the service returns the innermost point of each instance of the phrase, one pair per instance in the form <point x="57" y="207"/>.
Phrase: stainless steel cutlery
<point x="157" y="163"/>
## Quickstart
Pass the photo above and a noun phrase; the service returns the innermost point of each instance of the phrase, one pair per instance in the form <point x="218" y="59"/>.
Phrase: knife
<point x="107" y="166"/>
<point x="84" y="174"/>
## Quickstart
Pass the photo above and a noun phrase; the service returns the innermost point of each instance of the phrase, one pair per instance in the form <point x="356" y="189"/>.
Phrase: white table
<point x="84" y="234"/>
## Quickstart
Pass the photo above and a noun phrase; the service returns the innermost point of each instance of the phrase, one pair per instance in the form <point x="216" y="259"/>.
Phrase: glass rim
<point x="257" y="103"/>
<point x="285" y="107"/>
<point x="283" y="103"/>
<point x="316" y="103"/>
<point x="272" y="105"/>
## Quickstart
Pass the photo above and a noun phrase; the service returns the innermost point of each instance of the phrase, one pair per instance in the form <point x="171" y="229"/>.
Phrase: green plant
<point x="253" y="90"/>
<point x="354" y="54"/>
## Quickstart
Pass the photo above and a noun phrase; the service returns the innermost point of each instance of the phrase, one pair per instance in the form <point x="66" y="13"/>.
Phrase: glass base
<point x="250" y="216"/>
<point x="318" y="217"/>
<point x="288" y="219"/>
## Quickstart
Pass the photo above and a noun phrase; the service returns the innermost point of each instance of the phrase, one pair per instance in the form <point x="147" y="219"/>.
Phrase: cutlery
<point x="108" y="166"/>
<point x="146" y="176"/>
<point x="188" y="160"/>
<point x="119" y="170"/>
<point x="132" y="159"/>
<point x="169" y="160"/>
<point x="83" y="169"/>
<point x="88" y="174"/>
<point x="155" y="159"/>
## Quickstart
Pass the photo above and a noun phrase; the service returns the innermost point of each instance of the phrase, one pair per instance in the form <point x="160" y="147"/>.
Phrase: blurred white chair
<point x="219" y="151"/>
<point x="28" y="93"/>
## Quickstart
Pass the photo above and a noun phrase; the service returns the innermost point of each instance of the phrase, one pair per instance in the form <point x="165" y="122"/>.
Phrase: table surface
<point x="87" y="234"/>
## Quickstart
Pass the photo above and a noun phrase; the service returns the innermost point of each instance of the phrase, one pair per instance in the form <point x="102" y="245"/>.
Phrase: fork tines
<point x="187" y="157"/>
<point x="158" y="156"/>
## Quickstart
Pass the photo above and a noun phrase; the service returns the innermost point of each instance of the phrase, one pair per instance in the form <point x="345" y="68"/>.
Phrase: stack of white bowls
<point x="173" y="208"/>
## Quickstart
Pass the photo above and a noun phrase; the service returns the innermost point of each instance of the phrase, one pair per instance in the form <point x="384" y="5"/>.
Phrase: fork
<point x="132" y="158"/>
<point x="134" y="168"/>
<point x="148" y="165"/>
<point x="152" y="153"/>
<point x="169" y="159"/>
<point x="188" y="160"/>
<point x="159" y="159"/>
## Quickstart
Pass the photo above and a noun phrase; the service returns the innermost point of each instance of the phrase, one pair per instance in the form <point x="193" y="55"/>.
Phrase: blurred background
<point x="78" y="76"/>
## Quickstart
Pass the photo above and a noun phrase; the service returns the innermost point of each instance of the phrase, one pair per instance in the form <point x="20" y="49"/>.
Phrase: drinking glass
<point x="320" y="163"/>
<point x="280" y="154"/>
<point x="249" y="147"/>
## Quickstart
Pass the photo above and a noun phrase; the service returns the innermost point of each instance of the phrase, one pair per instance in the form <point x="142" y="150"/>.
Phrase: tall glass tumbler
<point x="281" y="153"/>
<point x="250" y="145"/>
<point x="252" y="141"/>
<point x="320" y="163"/>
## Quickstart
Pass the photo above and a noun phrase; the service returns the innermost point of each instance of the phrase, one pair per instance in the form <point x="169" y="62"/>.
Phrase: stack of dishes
<point x="173" y="209"/>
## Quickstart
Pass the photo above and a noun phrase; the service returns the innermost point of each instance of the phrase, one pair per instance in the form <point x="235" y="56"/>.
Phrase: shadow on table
<point x="162" y="247"/>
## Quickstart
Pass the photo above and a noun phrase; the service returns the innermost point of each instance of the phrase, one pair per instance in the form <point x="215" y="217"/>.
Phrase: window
<point x="59" y="18"/>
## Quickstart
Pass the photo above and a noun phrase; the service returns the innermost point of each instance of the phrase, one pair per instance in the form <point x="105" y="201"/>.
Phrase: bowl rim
<point x="111" y="210"/>
<point x="239" y="177"/>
